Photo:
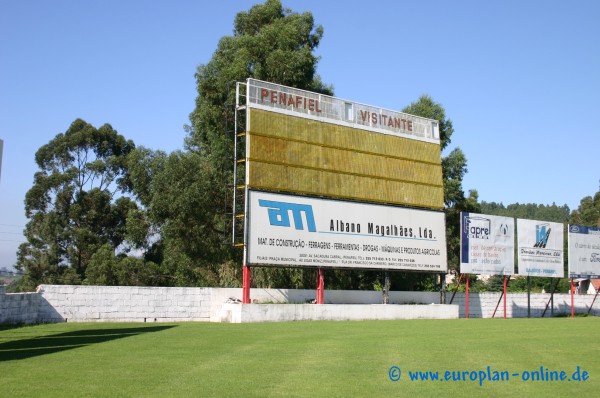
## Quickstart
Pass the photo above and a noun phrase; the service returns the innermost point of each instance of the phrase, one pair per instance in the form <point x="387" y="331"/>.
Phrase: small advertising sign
<point x="540" y="248"/>
<point x="487" y="244"/>
<point x="584" y="251"/>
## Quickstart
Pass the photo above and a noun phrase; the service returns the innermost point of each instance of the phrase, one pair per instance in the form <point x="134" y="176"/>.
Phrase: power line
<point x="13" y="225"/>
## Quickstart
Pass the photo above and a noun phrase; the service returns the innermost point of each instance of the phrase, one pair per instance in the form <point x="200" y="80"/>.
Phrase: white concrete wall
<point x="56" y="303"/>
<point x="482" y="305"/>
<point x="18" y="308"/>
<point x="123" y="304"/>
<point x="244" y="313"/>
<point x="298" y="296"/>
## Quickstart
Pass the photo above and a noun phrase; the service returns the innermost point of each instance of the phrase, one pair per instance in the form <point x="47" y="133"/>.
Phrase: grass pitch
<point x="303" y="358"/>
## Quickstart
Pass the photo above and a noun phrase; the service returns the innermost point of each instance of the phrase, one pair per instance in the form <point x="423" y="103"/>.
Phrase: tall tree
<point x="193" y="188"/>
<point x="77" y="203"/>
<point x="588" y="212"/>
<point x="269" y="43"/>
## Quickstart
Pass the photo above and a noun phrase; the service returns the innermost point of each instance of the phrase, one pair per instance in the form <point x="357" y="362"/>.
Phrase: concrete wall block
<point x="122" y="308"/>
<point x="146" y="309"/>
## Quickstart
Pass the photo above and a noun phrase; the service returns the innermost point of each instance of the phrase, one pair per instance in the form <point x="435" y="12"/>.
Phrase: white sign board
<point x="540" y="248"/>
<point x="584" y="251"/>
<point x="307" y="232"/>
<point x="487" y="244"/>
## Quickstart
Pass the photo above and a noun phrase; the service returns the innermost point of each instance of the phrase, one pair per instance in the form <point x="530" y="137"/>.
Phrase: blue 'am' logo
<point x="542" y="233"/>
<point x="279" y="214"/>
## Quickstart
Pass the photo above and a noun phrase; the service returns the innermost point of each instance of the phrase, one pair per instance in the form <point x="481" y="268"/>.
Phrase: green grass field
<point x="333" y="359"/>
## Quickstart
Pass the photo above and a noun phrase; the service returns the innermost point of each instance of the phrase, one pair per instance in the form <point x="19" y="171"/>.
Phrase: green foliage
<point x="425" y="106"/>
<point x="538" y="284"/>
<point x="76" y="205"/>
<point x="530" y="211"/>
<point x="475" y="284"/>
<point x="291" y="278"/>
<point x="187" y="204"/>
<point x="588" y="212"/>
<point x="105" y="268"/>
<point x="269" y="43"/>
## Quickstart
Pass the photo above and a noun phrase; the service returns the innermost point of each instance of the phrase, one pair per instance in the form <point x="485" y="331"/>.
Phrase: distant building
<point x="593" y="286"/>
<point x="587" y="286"/>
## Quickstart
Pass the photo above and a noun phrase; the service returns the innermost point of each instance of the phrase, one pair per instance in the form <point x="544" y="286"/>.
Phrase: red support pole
<point x="246" y="279"/>
<point x="572" y="298"/>
<point x="504" y="282"/>
<point x="320" y="286"/>
<point x="467" y="299"/>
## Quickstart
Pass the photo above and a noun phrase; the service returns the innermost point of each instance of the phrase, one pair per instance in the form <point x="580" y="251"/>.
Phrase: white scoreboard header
<point x="307" y="104"/>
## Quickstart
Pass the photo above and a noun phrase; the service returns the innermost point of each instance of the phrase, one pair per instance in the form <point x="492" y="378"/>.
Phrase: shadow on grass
<point x="28" y="348"/>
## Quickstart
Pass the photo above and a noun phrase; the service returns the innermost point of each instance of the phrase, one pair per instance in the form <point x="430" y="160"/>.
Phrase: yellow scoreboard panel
<point x="295" y="145"/>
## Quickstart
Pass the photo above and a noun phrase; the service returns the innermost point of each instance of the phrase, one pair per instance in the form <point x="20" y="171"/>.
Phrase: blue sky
<point x="519" y="80"/>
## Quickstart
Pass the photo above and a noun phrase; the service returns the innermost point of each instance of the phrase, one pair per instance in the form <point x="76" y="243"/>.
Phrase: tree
<point x="189" y="205"/>
<point x="588" y="212"/>
<point x="190" y="192"/>
<point x="269" y="43"/>
<point x="106" y="268"/>
<point x="76" y="205"/>
<point x="530" y="211"/>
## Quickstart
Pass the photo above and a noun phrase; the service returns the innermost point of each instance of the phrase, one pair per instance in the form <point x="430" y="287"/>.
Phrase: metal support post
<point x="504" y="283"/>
<point x="386" y="287"/>
<point x="467" y="298"/>
<point x="528" y="297"/>
<point x="320" y="286"/>
<point x="572" y="298"/>
<point x="246" y="279"/>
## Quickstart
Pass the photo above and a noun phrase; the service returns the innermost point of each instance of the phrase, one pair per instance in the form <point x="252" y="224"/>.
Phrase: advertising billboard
<point x="487" y="244"/>
<point x="290" y="230"/>
<point x="540" y="248"/>
<point x="584" y="251"/>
